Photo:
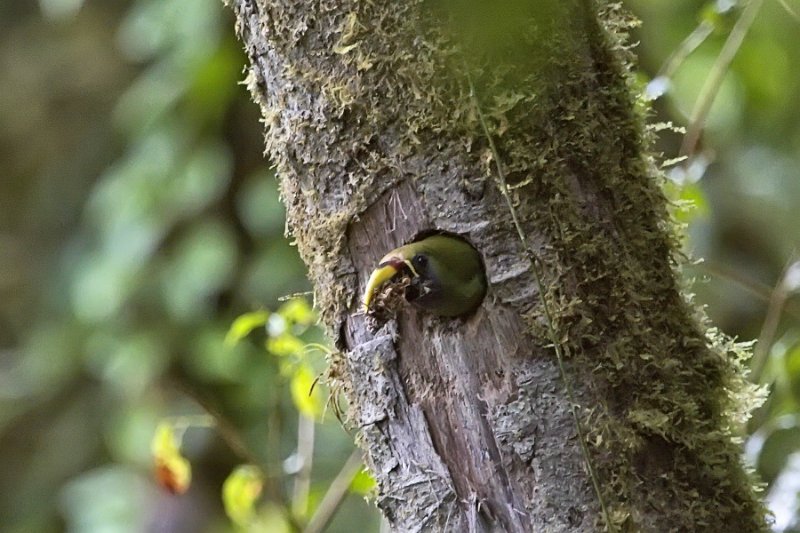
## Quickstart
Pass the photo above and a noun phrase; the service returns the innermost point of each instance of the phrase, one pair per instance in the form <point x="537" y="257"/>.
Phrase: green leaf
<point x="285" y="344"/>
<point x="239" y="494"/>
<point x="173" y="471"/>
<point x="306" y="397"/>
<point x="363" y="483"/>
<point x="244" y="324"/>
<point x="297" y="311"/>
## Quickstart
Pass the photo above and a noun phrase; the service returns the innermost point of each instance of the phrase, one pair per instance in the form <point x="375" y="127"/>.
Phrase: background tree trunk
<point x="373" y="113"/>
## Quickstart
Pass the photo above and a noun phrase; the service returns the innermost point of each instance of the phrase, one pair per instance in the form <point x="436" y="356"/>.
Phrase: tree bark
<point x="387" y="119"/>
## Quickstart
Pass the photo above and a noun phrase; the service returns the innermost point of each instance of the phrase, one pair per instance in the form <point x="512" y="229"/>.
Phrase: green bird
<point x="446" y="275"/>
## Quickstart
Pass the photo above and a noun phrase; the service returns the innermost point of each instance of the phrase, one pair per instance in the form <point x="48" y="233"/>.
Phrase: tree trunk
<point x="513" y="124"/>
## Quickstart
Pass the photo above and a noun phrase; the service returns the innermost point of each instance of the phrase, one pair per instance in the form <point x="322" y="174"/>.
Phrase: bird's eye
<point x="420" y="261"/>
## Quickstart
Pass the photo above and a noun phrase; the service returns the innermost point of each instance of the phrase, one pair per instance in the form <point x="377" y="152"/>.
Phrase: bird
<point x="446" y="275"/>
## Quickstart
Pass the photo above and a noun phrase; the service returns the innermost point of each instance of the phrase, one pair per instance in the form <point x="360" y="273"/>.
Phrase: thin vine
<point x="538" y="278"/>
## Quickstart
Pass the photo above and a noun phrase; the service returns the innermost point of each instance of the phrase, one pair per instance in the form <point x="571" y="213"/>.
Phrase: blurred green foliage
<point x="138" y="221"/>
<point x="746" y="183"/>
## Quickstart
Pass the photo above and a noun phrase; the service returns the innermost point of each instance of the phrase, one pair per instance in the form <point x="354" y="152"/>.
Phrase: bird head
<point x="446" y="275"/>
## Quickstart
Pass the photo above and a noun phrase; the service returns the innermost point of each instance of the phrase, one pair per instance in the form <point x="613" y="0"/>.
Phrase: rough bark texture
<point x="466" y="423"/>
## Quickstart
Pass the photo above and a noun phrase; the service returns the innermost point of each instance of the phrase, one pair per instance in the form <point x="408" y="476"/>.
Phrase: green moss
<point x="665" y="382"/>
<point x="667" y="391"/>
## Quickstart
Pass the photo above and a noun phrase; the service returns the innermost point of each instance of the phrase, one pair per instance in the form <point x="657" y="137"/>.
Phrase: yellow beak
<point x="387" y="269"/>
<point x="378" y="277"/>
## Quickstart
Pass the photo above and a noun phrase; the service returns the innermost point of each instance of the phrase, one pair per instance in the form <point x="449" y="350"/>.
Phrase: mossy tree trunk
<point x="389" y="118"/>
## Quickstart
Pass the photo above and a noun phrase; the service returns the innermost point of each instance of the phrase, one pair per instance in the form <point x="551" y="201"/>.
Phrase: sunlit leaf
<point x="172" y="470"/>
<point x="308" y="401"/>
<point x="244" y="324"/>
<point x="272" y="519"/>
<point x="239" y="494"/>
<point x="285" y="345"/>
<point x="363" y="483"/>
<point x="297" y="311"/>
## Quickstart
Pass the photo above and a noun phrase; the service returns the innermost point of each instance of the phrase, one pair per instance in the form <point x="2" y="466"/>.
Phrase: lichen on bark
<point x="373" y="122"/>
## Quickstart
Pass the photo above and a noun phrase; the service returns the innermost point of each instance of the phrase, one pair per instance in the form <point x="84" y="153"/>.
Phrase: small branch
<point x="769" y="328"/>
<point x="335" y="495"/>
<point x="714" y="81"/>
<point x="224" y="427"/>
<point x="305" y="456"/>
<point x="232" y="437"/>
<point x="754" y="288"/>
<point x="685" y="49"/>
<point x="789" y="10"/>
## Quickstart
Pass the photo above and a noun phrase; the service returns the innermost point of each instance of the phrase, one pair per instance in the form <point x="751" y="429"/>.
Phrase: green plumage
<point x="447" y="275"/>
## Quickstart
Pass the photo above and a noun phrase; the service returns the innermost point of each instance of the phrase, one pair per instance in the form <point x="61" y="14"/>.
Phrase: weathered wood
<point x="475" y="413"/>
<point x="466" y="423"/>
